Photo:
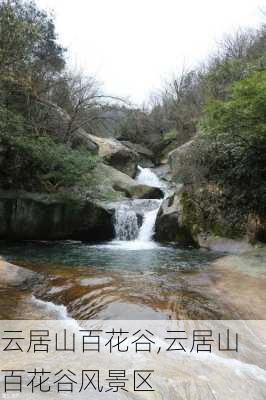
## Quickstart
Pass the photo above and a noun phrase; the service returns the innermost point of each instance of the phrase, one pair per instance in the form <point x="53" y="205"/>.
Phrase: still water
<point x="123" y="280"/>
<point x="131" y="277"/>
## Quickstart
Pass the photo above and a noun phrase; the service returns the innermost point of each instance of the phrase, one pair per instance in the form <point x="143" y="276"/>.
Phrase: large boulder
<point x="116" y="154"/>
<point x="182" y="219"/>
<point x="176" y="156"/>
<point x="12" y="275"/>
<point x="169" y="225"/>
<point x="145" y="157"/>
<point x="109" y="184"/>
<point x="52" y="217"/>
<point x="222" y="244"/>
<point x="123" y="156"/>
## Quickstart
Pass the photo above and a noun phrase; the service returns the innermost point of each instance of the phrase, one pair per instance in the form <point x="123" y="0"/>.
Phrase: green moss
<point x="171" y="135"/>
<point x="208" y="218"/>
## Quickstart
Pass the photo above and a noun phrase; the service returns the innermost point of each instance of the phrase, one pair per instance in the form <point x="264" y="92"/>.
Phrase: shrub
<point x="39" y="163"/>
<point x="243" y="114"/>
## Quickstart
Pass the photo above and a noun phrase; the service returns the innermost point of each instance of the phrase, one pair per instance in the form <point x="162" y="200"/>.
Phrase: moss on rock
<point x="34" y="216"/>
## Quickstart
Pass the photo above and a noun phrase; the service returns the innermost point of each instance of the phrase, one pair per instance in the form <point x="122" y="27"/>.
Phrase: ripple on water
<point x="97" y="281"/>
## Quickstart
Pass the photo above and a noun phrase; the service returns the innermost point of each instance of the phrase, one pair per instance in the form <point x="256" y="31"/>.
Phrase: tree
<point x="29" y="53"/>
<point x="243" y="114"/>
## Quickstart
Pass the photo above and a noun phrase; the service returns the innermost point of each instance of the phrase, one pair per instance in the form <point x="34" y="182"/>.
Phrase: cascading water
<point x="147" y="229"/>
<point x="126" y="223"/>
<point x="147" y="177"/>
<point x="126" y="215"/>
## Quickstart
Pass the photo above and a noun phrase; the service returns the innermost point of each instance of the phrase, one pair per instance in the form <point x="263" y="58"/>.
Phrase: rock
<point x="224" y="245"/>
<point x="163" y="158"/>
<point x="144" y="192"/>
<point x="151" y="140"/>
<point x="107" y="183"/>
<point x="175" y="157"/>
<point x="163" y="172"/>
<point x="180" y="219"/>
<point x="256" y="228"/>
<point x="169" y="226"/>
<point x="12" y="275"/>
<point x="145" y="157"/>
<point x="250" y="263"/>
<point x="32" y="216"/>
<point x="123" y="156"/>
<point x="116" y="154"/>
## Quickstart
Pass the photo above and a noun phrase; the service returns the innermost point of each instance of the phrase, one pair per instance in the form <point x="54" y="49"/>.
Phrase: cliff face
<point x="52" y="217"/>
<point x="181" y="219"/>
<point x="205" y="214"/>
<point x="76" y="213"/>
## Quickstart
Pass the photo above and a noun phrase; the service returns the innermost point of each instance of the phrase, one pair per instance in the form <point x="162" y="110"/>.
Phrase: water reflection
<point x="109" y="282"/>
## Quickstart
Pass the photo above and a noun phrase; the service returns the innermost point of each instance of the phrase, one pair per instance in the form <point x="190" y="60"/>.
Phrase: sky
<point x="133" y="46"/>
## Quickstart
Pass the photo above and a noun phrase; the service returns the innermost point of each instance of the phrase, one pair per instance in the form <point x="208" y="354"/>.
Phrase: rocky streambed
<point x="118" y="270"/>
<point x="109" y="282"/>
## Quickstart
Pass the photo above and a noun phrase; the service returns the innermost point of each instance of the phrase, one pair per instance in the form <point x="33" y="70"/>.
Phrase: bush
<point x="225" y="172"/>
<point x="243" y="114"/>
<point x="39" y="163"/>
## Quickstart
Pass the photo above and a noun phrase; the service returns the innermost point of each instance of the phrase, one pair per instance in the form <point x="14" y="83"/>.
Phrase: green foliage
<point x="243" y="114"/>
<point x="39" y="163"/>
<point x="226" y="169"/>
<point x="31" y="63"/>
<point x="171" y="135"/>
<point x="28" y="47"/>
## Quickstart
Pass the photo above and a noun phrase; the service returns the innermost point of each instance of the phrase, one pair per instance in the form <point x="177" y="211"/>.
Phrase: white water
<point x="128" y="234"/>
<point x="147" y="177"/>
<point x="126" y="223"/>
<point x="147" y="229"/>
<point x="54" y="311"/>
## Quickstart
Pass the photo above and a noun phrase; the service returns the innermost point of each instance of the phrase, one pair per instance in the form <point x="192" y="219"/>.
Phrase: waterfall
<point x="147" y="177"/>
<point x="128" y="233"/>
<point x="147" y="229"/>
<point x="126" y="223"/>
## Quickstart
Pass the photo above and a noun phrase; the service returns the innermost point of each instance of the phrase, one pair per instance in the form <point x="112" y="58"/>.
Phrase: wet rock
<point x="138" y="191"/>
<point x="180" y="220"/>
<point x="224" y="245"/>
<point x="35" y="216"/>
<point x="12" y="275"/>
<point x="107" y="183"/>
<point x="169" y="226"/>
<point x="250" y="263"/>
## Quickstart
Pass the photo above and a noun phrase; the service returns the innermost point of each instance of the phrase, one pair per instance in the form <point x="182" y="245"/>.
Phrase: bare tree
<point x="88" y="107"/>
<point x="236" y="45"/>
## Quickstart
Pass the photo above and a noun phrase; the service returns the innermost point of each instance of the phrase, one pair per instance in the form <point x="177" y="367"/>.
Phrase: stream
<point x="135" y="278"/>
<point x="130" y="277"/>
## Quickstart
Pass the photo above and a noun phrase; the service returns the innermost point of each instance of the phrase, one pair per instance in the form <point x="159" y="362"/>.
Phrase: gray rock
<point x="175" y="157"/>
<point x="107" y="183"/>
<point x="145" y="157"/>
<point x="35" y="216"/>
<point x="116" y="154"/>
<point x="169" y="226"/>
<point x="224" y="245"/>
<point x="12" y="275"/>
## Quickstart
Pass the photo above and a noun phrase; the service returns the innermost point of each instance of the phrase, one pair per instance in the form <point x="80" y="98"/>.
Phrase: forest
<point x="46" y="111"/>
